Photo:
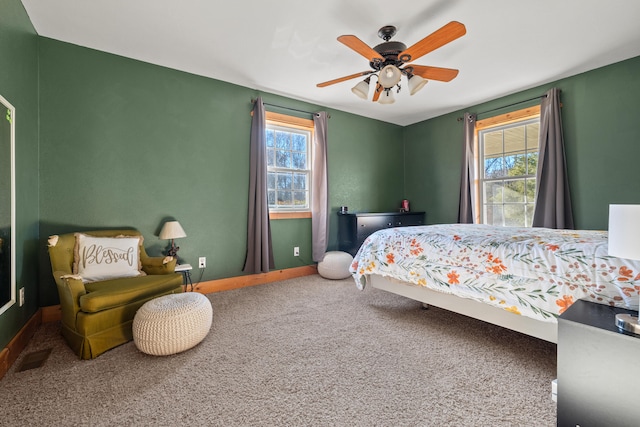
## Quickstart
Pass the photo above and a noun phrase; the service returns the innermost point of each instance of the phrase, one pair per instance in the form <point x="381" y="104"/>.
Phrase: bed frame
<point x="547" y="331"/>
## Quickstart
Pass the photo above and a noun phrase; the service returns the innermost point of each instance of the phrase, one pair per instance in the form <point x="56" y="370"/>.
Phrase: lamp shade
<point x="415" y="83"/>
<point x="172" y="230"/>
<point x="362" y="88"/>
<point x="624" y="231"/>
<point x="389" y="76"/>
<point x="387" y="97"/>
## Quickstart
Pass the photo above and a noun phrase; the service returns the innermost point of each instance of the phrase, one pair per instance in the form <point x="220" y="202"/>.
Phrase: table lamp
<point x="172" y="230"/>
<point x="624" y="242"/>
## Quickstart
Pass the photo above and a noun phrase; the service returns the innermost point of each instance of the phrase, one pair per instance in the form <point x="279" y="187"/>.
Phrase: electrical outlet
<point x="296" y="251"/>
<point x="202" y="262"/>
<point x="21" y="297"/>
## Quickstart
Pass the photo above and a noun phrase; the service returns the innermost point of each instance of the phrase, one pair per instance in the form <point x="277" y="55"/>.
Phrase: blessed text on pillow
<point x="103" y="258"/>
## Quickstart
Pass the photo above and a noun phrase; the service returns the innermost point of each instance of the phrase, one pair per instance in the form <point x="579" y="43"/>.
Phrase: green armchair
<point x="97" y="316"/>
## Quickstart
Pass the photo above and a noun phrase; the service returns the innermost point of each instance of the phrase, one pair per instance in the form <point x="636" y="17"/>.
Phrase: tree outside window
<point x="509" y="159"/>
<point x="288" y="166"/>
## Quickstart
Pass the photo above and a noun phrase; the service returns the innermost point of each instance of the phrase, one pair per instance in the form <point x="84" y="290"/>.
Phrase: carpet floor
<point x="301" y="352"/>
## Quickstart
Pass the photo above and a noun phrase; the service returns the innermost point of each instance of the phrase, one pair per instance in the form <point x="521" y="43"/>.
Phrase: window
<point x="288" y="142"/>
<point x="508" y="159"/>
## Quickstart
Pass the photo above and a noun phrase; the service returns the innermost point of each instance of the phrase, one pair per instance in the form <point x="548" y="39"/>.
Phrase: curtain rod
<point x="505" y="106"/>
<point x="253" y="101"/>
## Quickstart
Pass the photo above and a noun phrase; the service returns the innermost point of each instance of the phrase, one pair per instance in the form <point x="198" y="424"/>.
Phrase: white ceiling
<point x="286" y="47"/>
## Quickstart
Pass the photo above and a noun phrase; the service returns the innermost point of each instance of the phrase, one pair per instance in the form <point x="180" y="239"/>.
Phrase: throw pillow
<point x="103" y="258"/>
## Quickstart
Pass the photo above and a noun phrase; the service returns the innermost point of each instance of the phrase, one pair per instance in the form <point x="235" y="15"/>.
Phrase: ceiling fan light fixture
<point x="387" y="97"/>
<point x="389" y="76"/>
<point x="362" y="89"/>
<point x="388" y="61"/>
<point x="415" y="83"/>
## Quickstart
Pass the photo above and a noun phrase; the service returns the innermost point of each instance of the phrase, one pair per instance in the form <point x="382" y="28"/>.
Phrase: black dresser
<point x="598" y="369"/>
<point x="353" y="228"/>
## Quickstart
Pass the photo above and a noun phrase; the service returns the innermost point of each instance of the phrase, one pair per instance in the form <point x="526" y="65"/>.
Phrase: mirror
<point x="7" y="205"/>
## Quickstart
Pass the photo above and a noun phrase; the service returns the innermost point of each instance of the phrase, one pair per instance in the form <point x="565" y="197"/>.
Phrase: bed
<point x="518" y="278"/>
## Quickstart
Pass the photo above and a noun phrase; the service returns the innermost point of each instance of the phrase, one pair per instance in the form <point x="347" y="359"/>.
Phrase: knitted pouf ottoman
<point x="172" y="323"/>
<point x="335" y="265"/>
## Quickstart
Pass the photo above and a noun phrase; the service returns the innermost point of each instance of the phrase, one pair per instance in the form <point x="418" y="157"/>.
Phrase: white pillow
<point x="103" y="258"/>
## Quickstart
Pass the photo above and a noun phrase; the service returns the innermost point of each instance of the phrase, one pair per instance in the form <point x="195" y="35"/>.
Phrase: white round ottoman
<point x="172" y="323"/>
<point x="335" y="265"/>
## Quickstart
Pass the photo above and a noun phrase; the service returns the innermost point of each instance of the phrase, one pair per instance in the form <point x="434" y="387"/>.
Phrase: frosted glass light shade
<point x="624" y="231"/>
<point x="389" y="76"/>
<point x="387" y="97"/>
<point x="415" y="83"/>
<point x="362" y="88"/>
<point x="172" y="230"/>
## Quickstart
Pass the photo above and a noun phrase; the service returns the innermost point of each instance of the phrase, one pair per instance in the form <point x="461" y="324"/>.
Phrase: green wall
<point x="601" y="131"/>
<point x="19" y="85"/>
<point x="126" y="143"/>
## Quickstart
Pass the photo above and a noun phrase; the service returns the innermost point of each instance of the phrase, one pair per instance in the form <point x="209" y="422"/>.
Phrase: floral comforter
<point x="536" y="272"/>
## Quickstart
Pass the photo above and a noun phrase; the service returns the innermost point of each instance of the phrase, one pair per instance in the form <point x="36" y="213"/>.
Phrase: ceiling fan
<point x="389" y="61"/>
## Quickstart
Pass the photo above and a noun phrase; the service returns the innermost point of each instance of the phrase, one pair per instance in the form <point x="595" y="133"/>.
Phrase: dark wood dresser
<point x="353" y="228"/>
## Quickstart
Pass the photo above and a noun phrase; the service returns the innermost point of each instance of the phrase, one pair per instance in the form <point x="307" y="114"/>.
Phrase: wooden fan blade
<point x="377" y="92"/>
<point x="343" y="79"/>
<point x="361" y="47"/>
<point x="433" y="73"/>
<point x="438" y="38"/>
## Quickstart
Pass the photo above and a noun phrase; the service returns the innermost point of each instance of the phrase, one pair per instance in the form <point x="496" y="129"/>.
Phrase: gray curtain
<point x="319" y="203"/>
<point x="467" y="204"/>
<point x="259" y="250"/>
<point x="553" y="202"/>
